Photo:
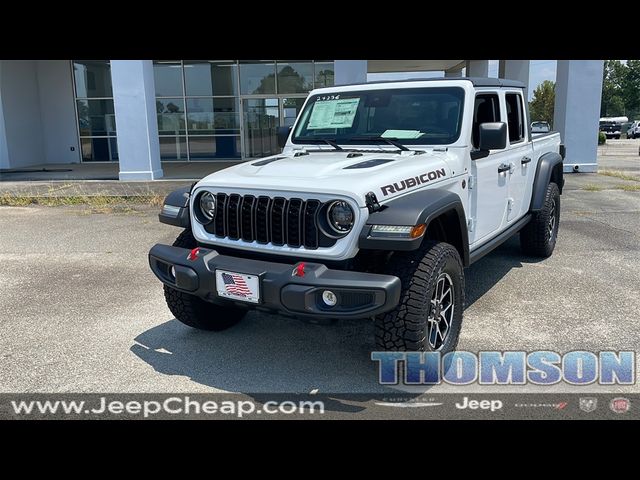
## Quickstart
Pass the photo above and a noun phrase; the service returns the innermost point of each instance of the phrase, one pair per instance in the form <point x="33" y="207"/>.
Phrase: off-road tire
<point x="406" y="328"/>
<point x="192" y="310"/>
<point x="537" y="238"/>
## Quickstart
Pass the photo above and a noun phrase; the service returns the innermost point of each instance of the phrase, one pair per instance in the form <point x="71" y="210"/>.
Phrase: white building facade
<point x="142" y="113"/>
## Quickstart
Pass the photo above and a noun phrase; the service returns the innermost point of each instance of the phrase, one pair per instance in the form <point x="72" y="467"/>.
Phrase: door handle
<point x="504" y="167"/>
<point x="525" y="160"/>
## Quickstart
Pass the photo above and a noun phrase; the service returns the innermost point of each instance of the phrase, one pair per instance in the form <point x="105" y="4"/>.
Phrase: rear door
<point x="519" y="157"/>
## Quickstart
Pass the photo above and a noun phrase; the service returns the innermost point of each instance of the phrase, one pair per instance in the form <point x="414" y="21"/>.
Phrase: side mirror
<point x="493" y="136"/>
<point x="283" y="135"/>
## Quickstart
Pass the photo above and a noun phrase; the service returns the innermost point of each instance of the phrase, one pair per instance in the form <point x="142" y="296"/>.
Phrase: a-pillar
<point x="577" y="112"/>
<point x="136" y="124"/>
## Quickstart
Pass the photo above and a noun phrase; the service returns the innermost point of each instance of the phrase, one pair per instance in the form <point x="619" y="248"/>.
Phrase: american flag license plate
<point x="238" y="286"/>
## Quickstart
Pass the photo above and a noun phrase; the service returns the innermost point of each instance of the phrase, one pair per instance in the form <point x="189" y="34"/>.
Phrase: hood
<point x="335" y="172"/>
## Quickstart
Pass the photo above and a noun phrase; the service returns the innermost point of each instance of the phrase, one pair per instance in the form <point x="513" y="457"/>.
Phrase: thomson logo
<point x="413" y="181"/>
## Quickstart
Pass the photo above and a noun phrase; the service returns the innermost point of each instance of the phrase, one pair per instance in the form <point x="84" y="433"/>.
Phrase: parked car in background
<point x="540" y="127"/>
<point x="634" y="130"/>
<point x="610" y="128"/>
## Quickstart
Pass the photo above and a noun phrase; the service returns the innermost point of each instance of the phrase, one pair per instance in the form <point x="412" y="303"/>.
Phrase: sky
<point x="539" y="71"/>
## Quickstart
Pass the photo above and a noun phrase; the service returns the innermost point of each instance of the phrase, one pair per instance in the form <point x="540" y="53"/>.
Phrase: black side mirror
<point x="493" y="136"/>
<point x="283" y="135"/>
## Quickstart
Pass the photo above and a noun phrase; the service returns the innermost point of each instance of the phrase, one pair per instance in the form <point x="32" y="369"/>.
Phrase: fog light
<point x="329" y="298"/>
<point x="172" y="271"/>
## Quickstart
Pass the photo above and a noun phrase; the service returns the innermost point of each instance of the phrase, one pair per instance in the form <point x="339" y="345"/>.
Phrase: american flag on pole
<point x="235" y="285"/>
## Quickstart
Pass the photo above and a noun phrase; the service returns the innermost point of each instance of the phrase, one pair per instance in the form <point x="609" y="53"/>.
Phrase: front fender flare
<point x="415" y="208"/>
<point x="178" y="198"/>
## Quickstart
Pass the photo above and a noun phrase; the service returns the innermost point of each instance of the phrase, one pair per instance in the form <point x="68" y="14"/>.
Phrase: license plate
<point x="238" y="286"/>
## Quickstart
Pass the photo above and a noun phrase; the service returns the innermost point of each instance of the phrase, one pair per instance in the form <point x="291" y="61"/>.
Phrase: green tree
<point x="613" y="87"/>
<point x="631" y="89"/>
<point x="541" y="105"/>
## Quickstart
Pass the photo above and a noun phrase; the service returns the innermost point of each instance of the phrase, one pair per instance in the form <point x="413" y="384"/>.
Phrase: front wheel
<point x="192" y="310"/>
<point x="538" y="237"/>
<point x="429" y="315"/>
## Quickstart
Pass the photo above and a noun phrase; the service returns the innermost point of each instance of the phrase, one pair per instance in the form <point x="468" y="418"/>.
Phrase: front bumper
<point x="360" y="295"/>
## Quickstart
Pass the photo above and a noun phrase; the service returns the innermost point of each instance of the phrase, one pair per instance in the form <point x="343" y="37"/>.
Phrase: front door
<point x="489" y="186"/>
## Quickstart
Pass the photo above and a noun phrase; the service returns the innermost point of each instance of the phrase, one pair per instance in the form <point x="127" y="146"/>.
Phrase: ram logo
<point x="413" y="181"/>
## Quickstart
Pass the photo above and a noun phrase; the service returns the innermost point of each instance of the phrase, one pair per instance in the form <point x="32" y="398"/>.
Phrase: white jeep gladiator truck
<point x="381" y="196"/>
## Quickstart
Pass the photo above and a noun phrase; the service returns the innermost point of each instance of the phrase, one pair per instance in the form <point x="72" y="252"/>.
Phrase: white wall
<point x="57" y="111"/>
<point x="577" y="111"/>
<point x="350" y="71"/>
<point x="21" y="113"/>
<point x="134" y="101"/>
<point x="4" y="150"/>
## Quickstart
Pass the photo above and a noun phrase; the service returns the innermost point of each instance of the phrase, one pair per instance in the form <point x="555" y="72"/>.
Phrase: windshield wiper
<point x="328" y="141"/>
<point x="374" y="138"/>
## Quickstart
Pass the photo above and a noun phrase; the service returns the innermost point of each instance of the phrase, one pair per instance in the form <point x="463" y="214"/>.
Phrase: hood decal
<point x="267" y="161"/>
<point x="413" y="181"/>
<point x="369" y="163"/>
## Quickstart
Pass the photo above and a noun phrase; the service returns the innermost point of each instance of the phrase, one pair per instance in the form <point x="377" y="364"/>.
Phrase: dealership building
<point x="143" y="113"/>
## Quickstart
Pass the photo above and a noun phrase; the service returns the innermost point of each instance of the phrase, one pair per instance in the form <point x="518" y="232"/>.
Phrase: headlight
<point x="340" y="217"/>
<point x="206" y="207"/>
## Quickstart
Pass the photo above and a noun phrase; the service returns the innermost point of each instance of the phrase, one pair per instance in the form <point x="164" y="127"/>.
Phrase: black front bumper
<point x="360" y="295"/>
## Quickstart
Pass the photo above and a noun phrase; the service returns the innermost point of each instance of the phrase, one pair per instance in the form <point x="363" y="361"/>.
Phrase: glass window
<point x="99" y="149"/>
<point x="213" y="115"/>
<point x="96" y="117"/>
<point x="173" y="148"/>
<point x="486" y="110"/>
<point x="290" y="109"/>
<point x="168" y="78"/>
<point x="515" y="121"/>
<point x="411" y="116"/>
<point x="93" y="78"/>
<point x="324" y="74"/>
<point x="211" y="78"/>
<point x="257" y="77"/>
<point x="207" y="148"/>
<point x="171" y="118"/>
<point x="295" y="77"/>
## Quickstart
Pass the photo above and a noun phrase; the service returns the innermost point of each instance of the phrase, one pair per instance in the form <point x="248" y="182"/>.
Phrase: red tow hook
<point x="298" y="271"/>
<point x="193" y="254"/>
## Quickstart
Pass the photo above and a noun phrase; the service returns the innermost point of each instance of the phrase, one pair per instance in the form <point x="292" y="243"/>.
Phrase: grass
<point x="96" y="203"/>
<point x="620" y="175"/>
<point x="629" y="187"/>
<point x="590" y="187"/>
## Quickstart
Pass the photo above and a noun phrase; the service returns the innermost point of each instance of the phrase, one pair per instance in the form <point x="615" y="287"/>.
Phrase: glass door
<point x="261" y="121"/>
<point x="291" y="107"/>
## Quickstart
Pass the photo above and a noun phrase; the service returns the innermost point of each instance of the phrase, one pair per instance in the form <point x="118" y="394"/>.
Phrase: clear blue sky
<point x="539" y="71"/>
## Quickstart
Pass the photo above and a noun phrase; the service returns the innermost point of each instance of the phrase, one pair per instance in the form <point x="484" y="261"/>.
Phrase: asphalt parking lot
<point x="81" y="311"/>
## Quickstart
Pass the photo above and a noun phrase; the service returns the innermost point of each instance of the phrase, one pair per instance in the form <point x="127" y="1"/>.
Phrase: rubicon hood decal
<point x="413" y="181"/>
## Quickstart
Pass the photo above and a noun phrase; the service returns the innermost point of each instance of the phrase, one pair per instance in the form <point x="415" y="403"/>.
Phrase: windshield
<point x="409" y="116"/>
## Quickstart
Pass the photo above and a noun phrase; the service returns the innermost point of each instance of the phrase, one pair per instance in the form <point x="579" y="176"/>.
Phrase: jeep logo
<point x="413" y="181"/>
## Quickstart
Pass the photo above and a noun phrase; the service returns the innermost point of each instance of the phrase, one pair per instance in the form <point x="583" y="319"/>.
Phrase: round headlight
<point x="340" y="216"/>
<point x="207" y="203"/>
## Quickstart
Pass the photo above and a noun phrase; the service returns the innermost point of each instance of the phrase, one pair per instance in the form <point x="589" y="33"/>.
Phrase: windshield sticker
<point x="402" y="134"/>
<point x="333" y="114"/>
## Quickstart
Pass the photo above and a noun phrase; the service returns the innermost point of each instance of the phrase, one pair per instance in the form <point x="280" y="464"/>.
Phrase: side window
<point x="515" y="117"/>
<point x="486" y="110"/>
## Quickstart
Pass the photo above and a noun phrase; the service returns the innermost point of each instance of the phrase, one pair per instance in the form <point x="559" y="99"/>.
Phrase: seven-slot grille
<point x="278" y="220"/>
